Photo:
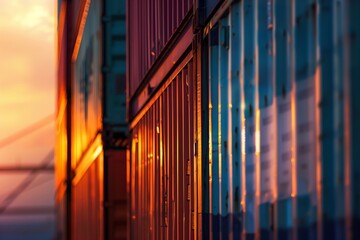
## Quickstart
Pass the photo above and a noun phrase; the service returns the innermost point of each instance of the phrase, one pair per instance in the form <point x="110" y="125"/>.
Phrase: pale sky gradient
<point x="27" y="94"/>
<point x="26" y="62"/>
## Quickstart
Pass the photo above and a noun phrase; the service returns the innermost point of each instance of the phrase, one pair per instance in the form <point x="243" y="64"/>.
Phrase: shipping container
<point x="272" y="141"/>
<point x="163" y="199"/>
<point x="162" y="202"/>
<point x="91" y="121"/>
<point x="162" y="205"/>
<point x="151" y="26"/>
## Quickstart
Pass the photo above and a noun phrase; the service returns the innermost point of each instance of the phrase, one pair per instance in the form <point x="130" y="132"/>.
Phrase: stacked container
<point x="162" y="91"/>
<point x="243" y="125"/>
<point x="91" y="123"/>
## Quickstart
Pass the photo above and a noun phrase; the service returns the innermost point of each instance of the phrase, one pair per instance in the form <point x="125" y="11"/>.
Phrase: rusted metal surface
<point x="151" y="23"/>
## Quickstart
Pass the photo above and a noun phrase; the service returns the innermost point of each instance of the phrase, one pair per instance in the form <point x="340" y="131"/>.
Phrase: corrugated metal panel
<point x="243" y="117"/>
<point x="266" y="118"/>
<point x="306" y="118"/>
<point x="162" y="164"/>
<point x="159" y="73"/>
<point x="285" y="106"/>
<point x="280" y="122"/>
<point x="276" y="72"/>
<point x="87" y="204"/>
<point x="151" y="24"/>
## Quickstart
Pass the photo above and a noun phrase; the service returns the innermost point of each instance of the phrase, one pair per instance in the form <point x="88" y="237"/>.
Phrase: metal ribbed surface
<point x="278" y="122"/>
<point x="259" y="118"/>
<point x="162" y="164"/>
<point x="151" y="24"/>
<point x="87" y="201"/>
<point x="276" y="69"/>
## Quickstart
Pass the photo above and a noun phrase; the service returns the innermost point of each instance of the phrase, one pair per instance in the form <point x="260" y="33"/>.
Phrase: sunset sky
<point x="26" y="62"/>
<point x="27" y="92"/>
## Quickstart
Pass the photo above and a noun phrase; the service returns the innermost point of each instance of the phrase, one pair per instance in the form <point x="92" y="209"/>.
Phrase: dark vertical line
<point x="205" y="135"/>
<point x="127" y="62"/>
<point x="192" y="76"/>
<point x="199" y="132"/>
<point x="180" y="153"/>
<point x="149" y="32"/>
<point x="104" y="113"/>
<point x="68" y="120"/>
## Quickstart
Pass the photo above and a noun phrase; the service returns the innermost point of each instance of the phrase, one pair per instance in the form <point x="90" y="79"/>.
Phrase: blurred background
<point x="164" y="131"/>
<point x="27" y="105"/>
